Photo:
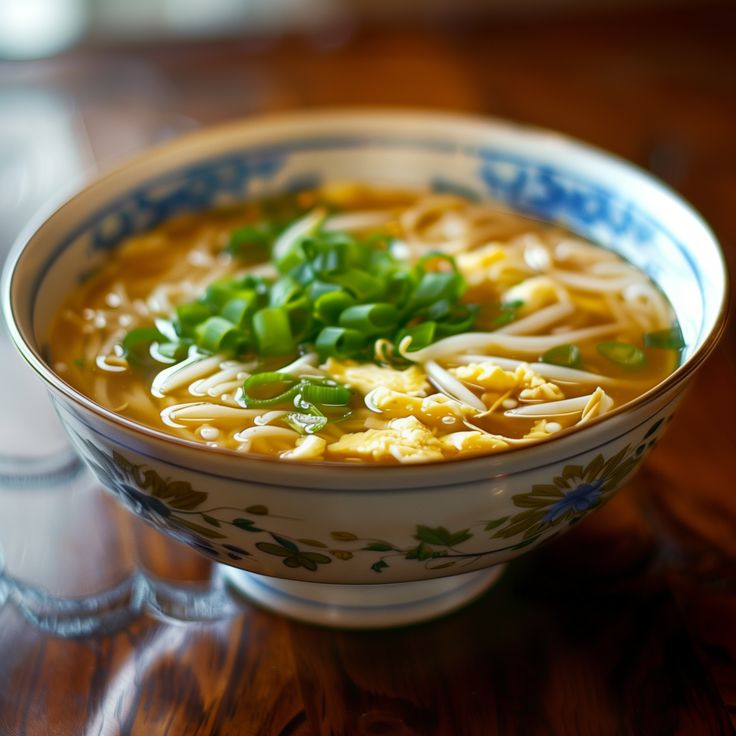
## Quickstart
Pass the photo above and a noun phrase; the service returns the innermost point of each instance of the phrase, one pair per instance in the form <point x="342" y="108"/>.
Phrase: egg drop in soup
<point x="364" y="325"/>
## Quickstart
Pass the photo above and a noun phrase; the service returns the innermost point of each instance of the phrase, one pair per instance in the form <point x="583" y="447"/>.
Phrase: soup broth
<point x="362" y="325"/>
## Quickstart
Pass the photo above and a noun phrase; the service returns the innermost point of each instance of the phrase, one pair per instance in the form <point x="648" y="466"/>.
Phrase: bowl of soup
<point x="363" y="358"/>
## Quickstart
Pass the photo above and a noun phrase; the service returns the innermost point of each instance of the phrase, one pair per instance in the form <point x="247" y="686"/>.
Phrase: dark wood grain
<point x="626" y="625"/>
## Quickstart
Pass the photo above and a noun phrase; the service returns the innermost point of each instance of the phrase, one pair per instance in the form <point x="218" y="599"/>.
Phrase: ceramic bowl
<point x="323" y="541"/>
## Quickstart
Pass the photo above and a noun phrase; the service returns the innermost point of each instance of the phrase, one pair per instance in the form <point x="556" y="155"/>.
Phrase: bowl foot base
<point x="362" y="606"/>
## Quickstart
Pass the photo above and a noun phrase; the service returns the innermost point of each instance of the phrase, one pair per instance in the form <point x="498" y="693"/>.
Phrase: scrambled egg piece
<point x="436" y="410"/>
<point x="310" y="447"/>
<point x="542" y="429"/>
<point x="475" y="263"/>
<point x="406" y="440"/>
<point x="487" y="375"/>
<point x="366" y="376"/>
<point x="541" y="390"/>
<point x="472" y="442"/>
<point x="534" y="293"/>
<point x="495" y="380"/>
<point x="490" y="263"/>
<point x="599" y="403"/>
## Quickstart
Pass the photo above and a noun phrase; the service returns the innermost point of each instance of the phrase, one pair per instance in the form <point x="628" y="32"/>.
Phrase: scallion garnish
<point x="313" y="399"/>
<point x="670" y="339"/>
<point x="622" y="353"/>
<point x="564" y="355"/>
<point x="338" y="342"/>
<point x="268" y="389"/>
<point x="272" y="330"/>
<point x="137" y="342"/>
<point x="329" y="393"/>
<point x="370" y="319"/>
<point x="334" y="291"/>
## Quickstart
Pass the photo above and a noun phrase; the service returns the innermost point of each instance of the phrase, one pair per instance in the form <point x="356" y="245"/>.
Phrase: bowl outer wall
<point x="342" y="523"/>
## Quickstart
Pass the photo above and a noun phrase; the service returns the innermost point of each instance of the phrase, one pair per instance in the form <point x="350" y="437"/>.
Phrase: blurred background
<point x="83" y="82"/>
<point x="86" y="82"/>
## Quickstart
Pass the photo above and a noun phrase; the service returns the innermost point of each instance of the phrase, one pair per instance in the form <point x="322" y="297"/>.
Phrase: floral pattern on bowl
<point x="252" y="531"/>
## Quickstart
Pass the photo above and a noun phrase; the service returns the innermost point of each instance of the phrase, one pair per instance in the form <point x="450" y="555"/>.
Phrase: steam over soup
<point x="360" y="325"/>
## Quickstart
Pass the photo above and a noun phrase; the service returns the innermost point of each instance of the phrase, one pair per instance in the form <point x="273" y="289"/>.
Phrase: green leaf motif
<point x="421" y="552"/>
<point x="572" y="472"/>
<point x="495" y="523"/>
<point x="273" y="549"/>
<point x="594" y="468"/>
<point x="203" y="530"/>
<point x="286" y="543"/>
<point x="210" y="520"/>
<point x="312" y="543"/>
<point x="378" y="547"/>
<point x="246" y="525"/>
<point x="439" y="535"/>
<point x="315" y="557"/>
<point x="343" y="536"/>
<point x="257" y="510"/>
<point x="379" y="566"/>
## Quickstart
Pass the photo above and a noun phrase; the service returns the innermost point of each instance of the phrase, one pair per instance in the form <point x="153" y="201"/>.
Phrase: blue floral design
<point x="580" y="499"/>
<point x="567" y="498"/>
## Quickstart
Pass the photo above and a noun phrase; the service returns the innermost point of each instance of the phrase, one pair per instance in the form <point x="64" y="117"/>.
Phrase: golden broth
<point x="460" y="401"/>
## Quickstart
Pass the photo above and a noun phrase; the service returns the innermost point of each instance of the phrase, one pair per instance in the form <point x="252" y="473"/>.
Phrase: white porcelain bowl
<point x="343" y="524"/>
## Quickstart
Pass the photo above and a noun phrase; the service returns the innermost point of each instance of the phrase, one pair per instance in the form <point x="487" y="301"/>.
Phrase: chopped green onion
<point x="330" y="306"/>
<point x="168" y="352"/>
<point x="300" y="322"/>
<point x="370" y="319"/>
<point x="167" y="328"/>
<point x="216" y="333"/>
<point x="188" y="316"/>
<point x="400" y="284"/>
<point x="564" y="355"/>
<point x="251" y="240"/>
<point x="324" y="392"/>
<point x="317" y="288"/>
<point x="272" y="330"/>
<point x="284" y="292"/>
<point x="460" y="319"/>
<point x="360" y="284"/>
<point x="334" y="260"/>
<point x="339" y="342"/>
<point x="433" y="287"/>
<point x="421" y="335"/>
<point x="309" y="422"/>
<point x="439" y="310"/>
<point x="508" y="313"/>
<point x="336" y="291"/>
<point x="670" y="339"/>
<point x="254" y="283"/>
<point x="492" y="316"/>
<point x="268" y="389"/>
<point x="239" y="308"/>
<point x="137" y="342"/>
<point x="217" y="293"/>
<point x="622" y="353"/>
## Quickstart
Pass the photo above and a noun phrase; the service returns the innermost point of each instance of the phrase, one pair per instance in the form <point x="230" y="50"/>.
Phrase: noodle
<point x="362" y="325"/>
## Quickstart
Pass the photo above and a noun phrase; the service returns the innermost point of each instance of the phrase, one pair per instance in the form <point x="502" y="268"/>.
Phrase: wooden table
<point x="626" y="625"/>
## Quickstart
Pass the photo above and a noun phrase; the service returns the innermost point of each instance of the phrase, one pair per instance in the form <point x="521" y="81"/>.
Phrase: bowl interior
<point x="538" y="173"/>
